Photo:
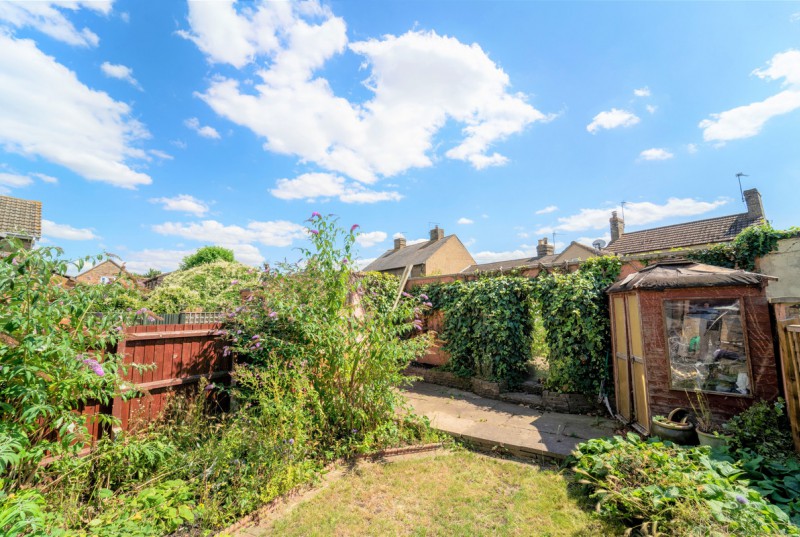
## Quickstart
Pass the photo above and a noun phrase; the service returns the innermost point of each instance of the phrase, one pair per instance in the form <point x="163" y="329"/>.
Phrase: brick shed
<point x="679" y="327"/>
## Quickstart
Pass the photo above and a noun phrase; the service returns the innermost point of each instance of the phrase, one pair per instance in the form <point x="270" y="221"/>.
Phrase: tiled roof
<point x="699" y="232"/>
<point x="20" y="217"/>
<point x="414" y="254"/>
<point x="499" y="266"/>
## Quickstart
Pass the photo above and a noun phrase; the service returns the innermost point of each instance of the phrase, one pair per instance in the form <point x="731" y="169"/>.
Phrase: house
<point x="439" y="255"/>
<point x="545" y="258"/>
<point x="20" y="219"/>
<point x="670" y="241"/>
<point x="106" y="272"/>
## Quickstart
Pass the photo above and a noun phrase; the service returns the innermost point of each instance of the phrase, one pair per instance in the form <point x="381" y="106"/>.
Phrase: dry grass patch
<point x="450" y="494"/>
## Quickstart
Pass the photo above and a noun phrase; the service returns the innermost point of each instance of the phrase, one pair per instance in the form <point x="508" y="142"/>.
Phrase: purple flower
<point x="417" y="324"/>
<point x="95" y="366"/>
<point x="209" y="387"/>
<point x="741" y="499"/>
<point x="315" y="214"/>
<point x="273" y="314"/>
<point x="226" y="351"/>
<point x="291" y="441"/>
<point x="141" y="311"/>
<point x="424" y="297"/>
<point x="238" y="331"/>
<point x="345" y="261"/>
<point x="234" y="282"/>
<point x="118" y="328"/>
<point x="354" y="227"/>
<point x="313" y="231"/>
<point x="258" y="345"/>
<point x="406" y="294"/>
<point x="151" y="318"/>
<point x="255" y="336"/>
<point x="429" y="304"/>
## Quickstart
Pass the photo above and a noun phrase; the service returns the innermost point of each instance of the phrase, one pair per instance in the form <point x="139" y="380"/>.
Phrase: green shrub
<point x="205" y="255"/>
<point x="661" y="488"/>
<point x="762" y="428"/>
<point x="574" y="311"/>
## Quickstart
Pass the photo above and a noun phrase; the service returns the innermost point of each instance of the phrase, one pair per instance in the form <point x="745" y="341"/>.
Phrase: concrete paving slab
<point x="519" y="429"/>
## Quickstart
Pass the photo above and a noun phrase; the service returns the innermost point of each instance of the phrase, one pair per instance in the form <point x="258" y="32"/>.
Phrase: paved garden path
<point x="522" y="431"/>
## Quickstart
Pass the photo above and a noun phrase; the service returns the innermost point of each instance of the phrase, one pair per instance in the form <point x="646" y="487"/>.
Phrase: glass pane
<point x="706" y="345"/>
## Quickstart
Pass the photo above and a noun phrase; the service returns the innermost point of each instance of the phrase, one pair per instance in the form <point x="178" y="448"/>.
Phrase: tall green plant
<point x="575" y="315"/>
<point x="54" y="355"/>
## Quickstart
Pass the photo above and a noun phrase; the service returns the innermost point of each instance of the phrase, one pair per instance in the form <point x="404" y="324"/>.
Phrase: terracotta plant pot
<point x="712" y="440"/>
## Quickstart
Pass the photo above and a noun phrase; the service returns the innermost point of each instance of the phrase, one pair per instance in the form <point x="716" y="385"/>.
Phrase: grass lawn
<point x="447" y="494"/>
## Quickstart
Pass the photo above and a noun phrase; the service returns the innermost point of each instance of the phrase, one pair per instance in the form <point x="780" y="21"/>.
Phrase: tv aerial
<point x="739" y="177"/>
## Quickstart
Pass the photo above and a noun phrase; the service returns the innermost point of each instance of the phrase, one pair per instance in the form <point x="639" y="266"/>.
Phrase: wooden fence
<point x="179" y="355"/>
<point x="787" y="316"/>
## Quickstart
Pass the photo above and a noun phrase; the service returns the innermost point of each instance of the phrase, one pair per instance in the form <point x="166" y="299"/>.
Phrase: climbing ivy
<point x="575" y="315"/>
<point x="488" y="324"/>
<point x="752" y="243"/>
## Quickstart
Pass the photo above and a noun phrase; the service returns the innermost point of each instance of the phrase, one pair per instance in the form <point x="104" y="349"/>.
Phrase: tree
<point x="206" y="254"/>
<point x="152" y="273"/>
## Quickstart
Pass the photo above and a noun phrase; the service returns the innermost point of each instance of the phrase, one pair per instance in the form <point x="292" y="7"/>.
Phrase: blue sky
<point x="148" y="129"/>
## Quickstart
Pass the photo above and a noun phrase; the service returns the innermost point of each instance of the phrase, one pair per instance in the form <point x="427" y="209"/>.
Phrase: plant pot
<point x="679" y="433"/>
<point x="712" y="440"/>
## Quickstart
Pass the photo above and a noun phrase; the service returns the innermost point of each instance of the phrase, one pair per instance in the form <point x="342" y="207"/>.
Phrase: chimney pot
<point x="617" y="226"/>
<point x="755" y="209"/>
<point x="437" y="234"/>
<point x="399" y="242"/>
<point x="543" y="248"/>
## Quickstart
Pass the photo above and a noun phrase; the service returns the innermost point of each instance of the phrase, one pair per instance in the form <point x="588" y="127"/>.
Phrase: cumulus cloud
<point x="48" y="18"/>
<point x="465" y="221"/>
<point x="203" y="130"/>
<point x="651" y="108"/>
<point x="120" y="72"/>
<point x="49" y="113"/>
<point x="489" y="256"/>
<point x="642" y="92"/>
<point x="691" y="148"/>
<point x="636" y="213"/>
<point x="46" y="178"/>
<point x="548" y="209"/>
<point x="371" y="238"/>
<point x="183" y="203"/>
<point x="14" y="180"/>
<point x="272" y="233"/>
<point x="160" y="259"/>
<point x="313" y="186"/>
<point x="612" y="119"/>
<point x="655" y="153"/>
<point x="748" y="120"/>
<point x="419" y="81"/>
<point x="65" y="232"/>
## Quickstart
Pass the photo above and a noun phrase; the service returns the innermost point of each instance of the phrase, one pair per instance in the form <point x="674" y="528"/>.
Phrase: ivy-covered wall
<point x="752" y="243"/>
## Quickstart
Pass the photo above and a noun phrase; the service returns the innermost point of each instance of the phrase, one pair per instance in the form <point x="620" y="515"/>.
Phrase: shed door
<point x="641" y="414"/>
<point x="622" y="375"/>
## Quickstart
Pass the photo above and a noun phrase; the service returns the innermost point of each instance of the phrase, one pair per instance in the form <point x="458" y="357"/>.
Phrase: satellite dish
<point x="599" y="244"/>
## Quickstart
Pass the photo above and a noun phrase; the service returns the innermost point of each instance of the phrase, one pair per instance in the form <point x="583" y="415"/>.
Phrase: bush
<point x="762" y="428"/>
<point x="205" y="255"/>
<point x="661" y="488"/>
<point x="213" y="286"/>
<point x="574" y="311"/>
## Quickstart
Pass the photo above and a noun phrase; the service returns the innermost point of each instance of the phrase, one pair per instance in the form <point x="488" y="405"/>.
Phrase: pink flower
<point x="313" y="231"/>
<point x="234" y="282"/>
<point x="315" y="214"/>
<point x="95" y="366"/>
<point x="354" y="227"/>
<point x="273" y="314"/>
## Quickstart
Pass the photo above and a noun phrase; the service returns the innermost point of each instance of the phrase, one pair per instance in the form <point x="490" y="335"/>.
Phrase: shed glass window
<point x="706" y="345"/>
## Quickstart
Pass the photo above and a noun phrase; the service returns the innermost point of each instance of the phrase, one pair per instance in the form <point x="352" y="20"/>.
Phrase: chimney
<point x="437" y="234"/>
<point x="617" y="226"/>
<point x="543" y="249"/>
<point x="399" y="242"/>
<point x="755" y="209"/>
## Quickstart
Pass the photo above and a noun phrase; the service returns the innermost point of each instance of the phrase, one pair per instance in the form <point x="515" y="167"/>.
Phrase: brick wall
<point x="105" y="269"/>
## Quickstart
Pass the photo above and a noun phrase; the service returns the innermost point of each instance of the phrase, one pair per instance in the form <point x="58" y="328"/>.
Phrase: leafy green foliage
<point x="205" y="255"/>
<point x="778" y="480"/>
<point x="213" y="286"/>
<point x="53" y="352"/>
<point x="661" y="488"/>
<point x="574" y="311"/>
<point x="762" y="428"/>
<point x="742" y="252"/>
<point x="488" y="324"/>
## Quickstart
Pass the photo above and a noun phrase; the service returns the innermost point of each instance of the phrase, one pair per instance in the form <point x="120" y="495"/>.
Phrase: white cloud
<point x="164" y="260"/>
<point x="489" y="256"/>
<point x="548" y="209"/>
<point x="273" y="233"/>
<point x="642" y="92"/>
<point x="203" y="130"/>
<point x="794" y="17"/>
<point x="47" y="18"/>
<point x="691" y="148"/>
<point x="14" y="180"/>
<point x="160" y="154"/>
<point x="371" y="238"/>
<point x="48" y="112"/>
<point x="748" y="120"/>
<point x="651" y="108"/>
<point x="655" y="153"/>
<point x="63" y="231"/>
<point x="636" y="213"/>
<point x="465" y="221"/>
<point x="46" y="178"/>
<point x="120" y="72"/>
<point x="419" y="81"/>
<point x="311" y="186"/>
<point x="612" y="119"/>
<point x="183" y="203"/>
